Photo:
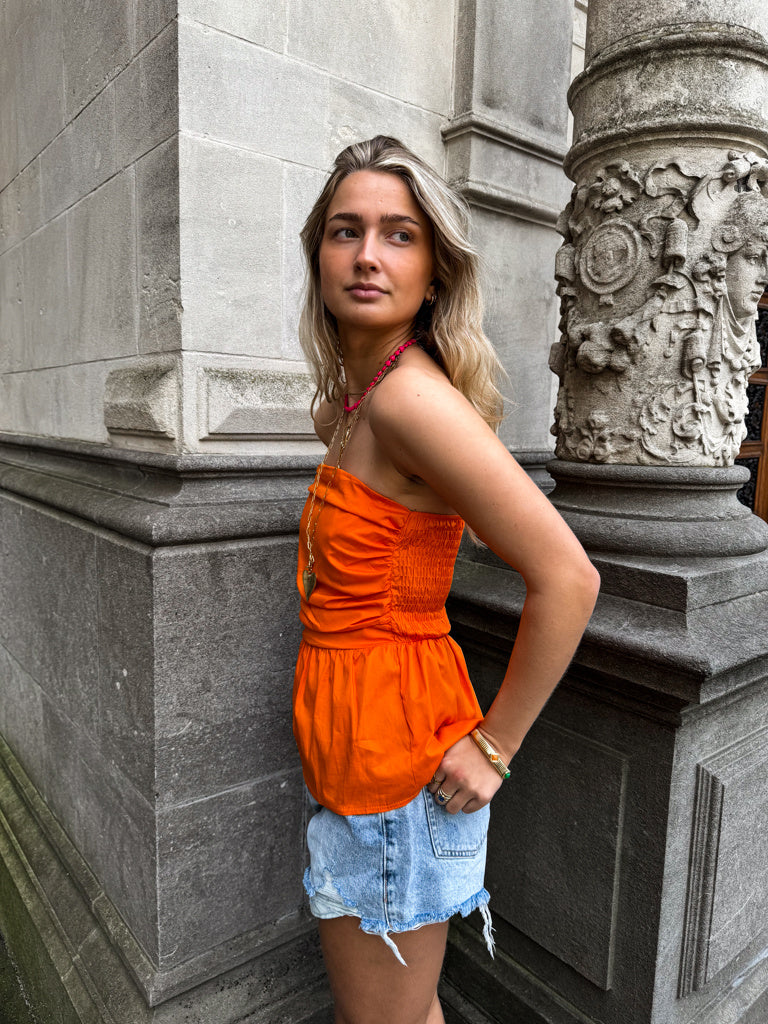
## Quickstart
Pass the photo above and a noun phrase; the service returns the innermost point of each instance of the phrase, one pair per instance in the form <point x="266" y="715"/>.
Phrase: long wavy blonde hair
<point x="451" y="329"/>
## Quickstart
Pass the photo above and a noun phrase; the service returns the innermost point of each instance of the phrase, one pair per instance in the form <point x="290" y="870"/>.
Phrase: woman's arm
<point x="428" y="429"/>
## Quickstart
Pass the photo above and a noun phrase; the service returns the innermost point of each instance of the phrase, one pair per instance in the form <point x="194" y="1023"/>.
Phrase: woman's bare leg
<point x="370" y="986"/>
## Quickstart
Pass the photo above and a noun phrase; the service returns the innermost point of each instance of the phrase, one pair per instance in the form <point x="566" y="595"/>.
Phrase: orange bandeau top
<point x="381" y="690"/>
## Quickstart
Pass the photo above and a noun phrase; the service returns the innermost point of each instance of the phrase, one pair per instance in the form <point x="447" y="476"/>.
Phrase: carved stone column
<point x="664" y="260"/>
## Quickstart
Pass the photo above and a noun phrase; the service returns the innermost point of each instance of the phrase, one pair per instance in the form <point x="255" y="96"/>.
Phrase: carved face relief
<point x="746" y="276"/>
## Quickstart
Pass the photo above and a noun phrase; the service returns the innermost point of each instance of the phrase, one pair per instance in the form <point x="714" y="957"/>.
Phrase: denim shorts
<point x="398" y="870"/>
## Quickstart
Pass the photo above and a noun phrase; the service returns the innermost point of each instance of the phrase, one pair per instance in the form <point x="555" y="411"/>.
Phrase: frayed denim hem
<point x="338" y="905"/>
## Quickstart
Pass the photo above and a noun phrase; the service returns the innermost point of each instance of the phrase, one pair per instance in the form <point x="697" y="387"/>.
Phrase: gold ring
<point x="441" y="797"/>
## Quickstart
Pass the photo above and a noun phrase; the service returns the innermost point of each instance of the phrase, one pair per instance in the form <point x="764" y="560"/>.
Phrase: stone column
<point x="664" y="260"/>
<point x="627" y="860"/>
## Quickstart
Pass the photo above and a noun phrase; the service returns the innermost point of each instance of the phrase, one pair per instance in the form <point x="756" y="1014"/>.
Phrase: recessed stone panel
<point x="727" y="900"/>
<point x="143" y="398"/>
<point x="258" y="402"/>
<point x="553" y="868"/>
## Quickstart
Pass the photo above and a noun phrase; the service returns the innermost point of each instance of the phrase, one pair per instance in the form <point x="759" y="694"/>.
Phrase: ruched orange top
<point x="381" y="690"/>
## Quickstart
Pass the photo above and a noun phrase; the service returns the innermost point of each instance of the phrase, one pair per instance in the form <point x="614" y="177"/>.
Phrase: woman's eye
<point x="345" y="233"/>
<point x="402" y="236"/>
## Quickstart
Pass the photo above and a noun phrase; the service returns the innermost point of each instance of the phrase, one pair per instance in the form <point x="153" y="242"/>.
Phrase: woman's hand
<point x="466" y="775"/>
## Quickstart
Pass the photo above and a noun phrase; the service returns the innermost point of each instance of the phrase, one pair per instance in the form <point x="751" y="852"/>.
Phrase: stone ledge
<point x="161" y="499"/>
<point x="96" y="962"/>
<point x="694" y="656"/>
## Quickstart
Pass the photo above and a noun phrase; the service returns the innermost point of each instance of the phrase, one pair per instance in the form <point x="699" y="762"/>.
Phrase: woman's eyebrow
<point x="386" y="218"/>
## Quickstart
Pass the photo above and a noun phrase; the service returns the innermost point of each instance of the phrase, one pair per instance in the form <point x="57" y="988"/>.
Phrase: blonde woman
<point x="396" y="752"/>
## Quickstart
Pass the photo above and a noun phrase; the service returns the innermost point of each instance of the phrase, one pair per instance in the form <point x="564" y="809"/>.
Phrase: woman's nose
<point x="367" y="256"/>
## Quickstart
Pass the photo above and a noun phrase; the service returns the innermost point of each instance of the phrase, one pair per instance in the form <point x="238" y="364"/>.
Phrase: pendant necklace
<point x="309" y="578"/>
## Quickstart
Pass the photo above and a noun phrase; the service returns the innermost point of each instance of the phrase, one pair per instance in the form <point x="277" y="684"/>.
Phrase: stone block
<point x="21" y="206"/>
<point x="266" y="403"/>
<point x="146" y="98"/>
<point x="46" y="296"/>
<point x="126" y="660"/>
<point x="81" y="157"/>
<point x="150" y="18"/>
<point x="250" y="98"/>
<point x="229" y="863"/>
<point x="36" y="49"/>
<point x="102" y="260"/>
<point x="12" y="310"/>
<point x="97" y="45"/>
<point x="112" y="827"/>
<point x="64" y="401"/>
<point x="157" y="202"/>
<point x="326" y="34"/>
<point x="231" y="219"/>
<point x="518" y="295"/>
<point x="301" y="187"/>
<point x="227" y="633"/>
<point x="9" y="160"/>
<point x="143" y="399"/>
<point x="264" y="24"/>
<point x="47" y="625"/>
<point x="21" y="714"/>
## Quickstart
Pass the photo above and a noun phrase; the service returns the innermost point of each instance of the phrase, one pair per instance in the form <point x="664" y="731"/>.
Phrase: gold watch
<point x="490" y="753"/>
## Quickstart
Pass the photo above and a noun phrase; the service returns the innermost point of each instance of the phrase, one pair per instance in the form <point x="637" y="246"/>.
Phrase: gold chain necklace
<point x="308" y="576"/>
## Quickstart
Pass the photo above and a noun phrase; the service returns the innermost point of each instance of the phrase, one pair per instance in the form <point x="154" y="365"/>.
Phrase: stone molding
<point x="727" y="101"/>
<point x="100" y="965"/>
<point x="160" y="499"/>
<point x="482" y="126"/>
<point x="143" y="399"/>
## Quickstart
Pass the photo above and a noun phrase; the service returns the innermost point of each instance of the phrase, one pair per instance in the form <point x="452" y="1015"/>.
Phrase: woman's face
<point x="376" y="262"/>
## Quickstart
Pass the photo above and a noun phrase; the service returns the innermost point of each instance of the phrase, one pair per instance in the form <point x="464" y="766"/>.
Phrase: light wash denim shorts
<point x="398" y="870"/>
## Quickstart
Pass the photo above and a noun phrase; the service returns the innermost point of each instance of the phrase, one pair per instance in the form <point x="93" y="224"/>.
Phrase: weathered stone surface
<point x="63" y="401"/>
<point x="267" y="402"/>
<point x="36" y="58"/>
<point x="229" y="863"/>
<point x="327" y="33"/>
<point x="102" y="262"/>
<point x="150" y="18"/>
<point x="264" y="24"/>
<point x="9" y="160"/>
<point x="21" y="206"/>
<point x="231" y="219"/>
<point x="223" y="692"/>
<point x="97" y="45"/>
<point x="48" y="626"/>
<point x="13" y="314"/>
<point x="146" y="98"/>
<point x="157" y="204"/>
<point x="126" y="692"/>
<point x="81" y="157"/>
<point x="303" y="185"/>
<point x="111" y="825"/>
<point x="46" y="297"/>
<point x="21" y="715"/>
<point x="143" y="398"/>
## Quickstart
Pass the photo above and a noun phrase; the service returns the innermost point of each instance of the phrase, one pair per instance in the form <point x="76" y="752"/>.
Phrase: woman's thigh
<point x="370" y="986"/>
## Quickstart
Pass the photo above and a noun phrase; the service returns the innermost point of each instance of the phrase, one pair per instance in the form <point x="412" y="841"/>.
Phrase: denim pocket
<point x="456" y="835"/>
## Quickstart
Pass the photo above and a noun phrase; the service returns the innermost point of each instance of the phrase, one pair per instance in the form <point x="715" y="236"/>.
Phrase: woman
<point x="394" y="746"/>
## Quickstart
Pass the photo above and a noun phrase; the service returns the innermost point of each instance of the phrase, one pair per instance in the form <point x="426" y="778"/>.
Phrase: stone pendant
<point x="309" y="579"/>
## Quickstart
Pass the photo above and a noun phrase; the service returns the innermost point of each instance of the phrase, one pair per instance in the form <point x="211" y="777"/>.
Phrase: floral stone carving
<point x="659" y="280"/>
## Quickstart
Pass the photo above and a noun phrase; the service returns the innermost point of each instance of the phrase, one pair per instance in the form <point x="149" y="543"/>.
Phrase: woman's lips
<point x="365" y="291"/>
